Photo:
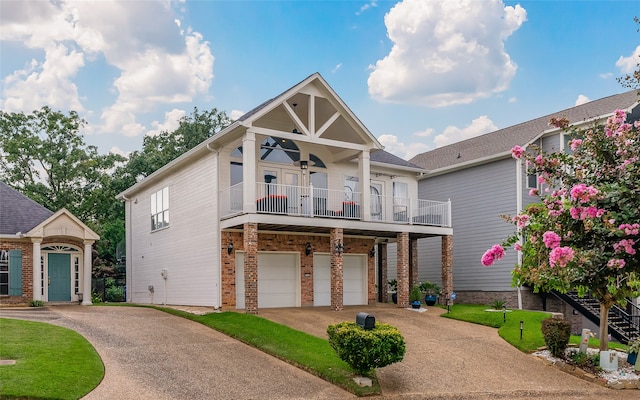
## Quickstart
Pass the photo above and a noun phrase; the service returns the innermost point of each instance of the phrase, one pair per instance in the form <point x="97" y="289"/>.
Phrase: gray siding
<point x="479" y="195"/>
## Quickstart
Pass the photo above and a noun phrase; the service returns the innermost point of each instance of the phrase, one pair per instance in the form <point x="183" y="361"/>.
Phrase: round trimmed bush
<point x="365" y="350"/>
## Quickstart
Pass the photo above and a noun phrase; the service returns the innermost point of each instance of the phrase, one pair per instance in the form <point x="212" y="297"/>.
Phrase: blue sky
<point x="419" y="73"/>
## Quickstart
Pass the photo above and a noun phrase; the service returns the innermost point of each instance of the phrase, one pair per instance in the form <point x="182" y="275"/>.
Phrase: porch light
<point x="230" y="247"/>
<point x="304" y="166"/>
<point x="339" y="247"/>
<point x="308" y="250"/>
<point x="372" y="252"/>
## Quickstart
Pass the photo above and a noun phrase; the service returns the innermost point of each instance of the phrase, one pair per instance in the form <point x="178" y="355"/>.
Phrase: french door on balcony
<point x="283" y="183"/>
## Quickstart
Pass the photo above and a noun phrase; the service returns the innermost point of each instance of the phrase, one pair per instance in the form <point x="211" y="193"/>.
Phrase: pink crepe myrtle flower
<point x="575" y="212"/>
<point x="625" y="245"/>
<point x="521" y="220"/>
<point x="517" y="247"/>
<point x="583" y="193"/>
<point x="551" y="239"/>
<point x="517" y="151"/>
<point x="628" y="228"/>
<point x="561" y="256"/>
<point x="495" y="253"/>
<point x="575" y="143"/>
<point x="616" y="263"/>
<point x="538" y="160"/>
<point x="533" y="192"/>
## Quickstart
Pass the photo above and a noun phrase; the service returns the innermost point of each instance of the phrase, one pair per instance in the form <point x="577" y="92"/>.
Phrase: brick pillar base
<point x="447" y="266"/>
<point x="251" y="268"/>
<point x="403" y="269"/>
<point x="337" y="286"/>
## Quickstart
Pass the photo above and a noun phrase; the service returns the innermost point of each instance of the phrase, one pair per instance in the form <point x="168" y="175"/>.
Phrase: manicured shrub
<point x="36" y="303"/>
<point x="556" y="334"/>
<point x="365" y="350"/>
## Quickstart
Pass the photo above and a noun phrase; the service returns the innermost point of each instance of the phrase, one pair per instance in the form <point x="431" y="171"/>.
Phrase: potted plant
<point x="431" y="291"/>
<point x="393" y="286"/>
<point x="633" y="350"/>
<point x="414" y="297"/>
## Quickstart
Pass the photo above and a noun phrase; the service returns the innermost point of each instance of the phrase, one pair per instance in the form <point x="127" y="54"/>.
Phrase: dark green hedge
<point x="365" y="350"/>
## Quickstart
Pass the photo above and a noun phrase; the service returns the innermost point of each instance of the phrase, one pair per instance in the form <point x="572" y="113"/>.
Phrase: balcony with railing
<point x="307" y="201"/>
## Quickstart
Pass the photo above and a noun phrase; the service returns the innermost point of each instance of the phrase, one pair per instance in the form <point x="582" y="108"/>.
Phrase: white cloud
<point x="235" y="114"/>
<point x="336" y="68"/>
<point x="446" y="52"/>
<point x="628" y="64"/>
<point x="119" y="151"/>
<point x="606" y="75"/>
<point x="426" y="133"/>
<point x="367" y="6"/>
<point x="171" y="122"/>
<point x="582" y="99"/>
<point x="513" y="99"/>
<point x="402" y="150"/>
<point x="157" y="61"/>
<point x="477" y="127"/>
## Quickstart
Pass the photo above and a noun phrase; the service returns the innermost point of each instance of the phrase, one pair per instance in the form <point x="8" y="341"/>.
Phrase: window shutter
<point x="15" y="272"/>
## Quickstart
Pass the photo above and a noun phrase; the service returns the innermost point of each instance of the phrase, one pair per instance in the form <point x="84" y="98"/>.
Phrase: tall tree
<point x="585" y="234"/>
<point x="167" y="146"/>
<point x="44" y="156"/>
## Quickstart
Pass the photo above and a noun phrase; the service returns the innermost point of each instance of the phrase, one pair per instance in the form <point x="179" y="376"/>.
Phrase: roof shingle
<point x="18" y="213"/>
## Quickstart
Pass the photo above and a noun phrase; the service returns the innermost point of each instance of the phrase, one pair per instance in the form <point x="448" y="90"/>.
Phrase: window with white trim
<point x="160" y="209"/>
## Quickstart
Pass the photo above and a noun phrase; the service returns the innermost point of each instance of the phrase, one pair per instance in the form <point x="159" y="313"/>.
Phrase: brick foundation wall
<point x="291" y="243"/>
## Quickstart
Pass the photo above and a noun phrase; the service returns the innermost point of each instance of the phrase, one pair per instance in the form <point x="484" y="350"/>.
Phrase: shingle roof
<point x="385" y="157"/>
<point x="503" y="140"/>
<point x="18" y="213"/>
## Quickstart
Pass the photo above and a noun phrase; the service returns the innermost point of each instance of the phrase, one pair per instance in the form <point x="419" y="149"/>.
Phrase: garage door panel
<point x="277" y="280"/>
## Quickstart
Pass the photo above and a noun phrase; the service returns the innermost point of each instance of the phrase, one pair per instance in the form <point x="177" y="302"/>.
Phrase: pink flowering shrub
<point x="584" y="235"/>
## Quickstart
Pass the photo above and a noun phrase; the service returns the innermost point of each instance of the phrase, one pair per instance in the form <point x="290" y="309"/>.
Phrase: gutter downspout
<point x="129" y="254"/>
<point x="218" y="297"/>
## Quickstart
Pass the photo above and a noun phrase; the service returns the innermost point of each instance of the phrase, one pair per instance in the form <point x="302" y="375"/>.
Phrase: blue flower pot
<point x="415" y="304"/>
<point x="430" y="299"/>
<point x="632" y="358"/>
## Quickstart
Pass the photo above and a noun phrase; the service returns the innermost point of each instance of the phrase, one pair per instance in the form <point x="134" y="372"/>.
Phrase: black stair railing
<point x="624" y="323"/>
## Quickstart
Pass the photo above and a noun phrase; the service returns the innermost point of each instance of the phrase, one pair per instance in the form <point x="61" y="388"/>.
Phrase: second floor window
<point x="160" y="209"/>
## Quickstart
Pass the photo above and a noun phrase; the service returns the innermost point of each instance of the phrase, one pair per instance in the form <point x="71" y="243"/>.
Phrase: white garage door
<point x="277" y="280"/>
<point x="354" y="279"/>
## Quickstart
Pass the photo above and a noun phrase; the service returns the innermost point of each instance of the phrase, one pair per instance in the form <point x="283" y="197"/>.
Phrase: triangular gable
<point x="63" y="223"/>
<point x="314" y="111"/>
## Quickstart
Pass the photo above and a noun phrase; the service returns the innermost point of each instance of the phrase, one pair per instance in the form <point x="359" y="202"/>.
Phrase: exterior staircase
<point x="624" y="322"/>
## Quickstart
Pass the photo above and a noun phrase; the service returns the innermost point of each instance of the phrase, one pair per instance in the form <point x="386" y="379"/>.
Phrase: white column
<point x="86" y="274"/>
<point x="249" y="172"/>
<point x="37" y="270"/>
<point x="365" y="178"/>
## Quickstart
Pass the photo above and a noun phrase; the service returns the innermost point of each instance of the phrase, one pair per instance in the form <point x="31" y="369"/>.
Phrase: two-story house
<point x="291" y="205"/>
<point x="484" y="181"/>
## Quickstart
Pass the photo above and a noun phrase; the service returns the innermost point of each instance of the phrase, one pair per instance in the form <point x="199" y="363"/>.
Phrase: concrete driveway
<point x="152" y="355"/>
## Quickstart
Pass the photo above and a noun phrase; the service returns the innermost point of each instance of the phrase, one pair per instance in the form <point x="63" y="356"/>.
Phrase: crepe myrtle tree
<point x="584" y="234"/>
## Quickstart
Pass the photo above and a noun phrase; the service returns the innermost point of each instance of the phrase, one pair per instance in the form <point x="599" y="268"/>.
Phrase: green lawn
<point x="51" y="362"/>
<point x="532" y="338"/>
<point x="305" y="351"/>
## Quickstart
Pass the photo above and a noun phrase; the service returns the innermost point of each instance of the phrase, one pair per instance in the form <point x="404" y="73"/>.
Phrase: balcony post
<point x="249" y="172"/>
<point x="365" y="178"/>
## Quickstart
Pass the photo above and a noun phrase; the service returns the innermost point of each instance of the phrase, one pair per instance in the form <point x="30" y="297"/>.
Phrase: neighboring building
<point x="59" y="242"/>
<point x="291" y="205"/>
<point x="483" y="181"/>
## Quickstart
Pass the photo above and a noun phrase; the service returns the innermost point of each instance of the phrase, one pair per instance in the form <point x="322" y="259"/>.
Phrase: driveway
<point x="152" y="355"/>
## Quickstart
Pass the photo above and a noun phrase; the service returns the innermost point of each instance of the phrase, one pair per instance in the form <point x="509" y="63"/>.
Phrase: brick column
<point x="403" y="269"/>
<point x="251" y="268"/>
<point x="447" y="266"/>
<point x="337" y="287"/>
<point x="413" y="262"/>
<point x="384" y="276"/>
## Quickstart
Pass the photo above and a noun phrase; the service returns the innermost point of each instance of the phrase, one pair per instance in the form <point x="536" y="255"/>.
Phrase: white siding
<point x="479" y="196"/>
<point x="188" y="248"/>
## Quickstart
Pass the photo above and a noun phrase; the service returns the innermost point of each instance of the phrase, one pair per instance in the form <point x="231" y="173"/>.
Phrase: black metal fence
<point x="109" y="289"/>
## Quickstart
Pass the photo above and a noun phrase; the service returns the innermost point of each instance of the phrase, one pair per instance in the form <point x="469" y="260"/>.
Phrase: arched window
<point x="278" y="150"/>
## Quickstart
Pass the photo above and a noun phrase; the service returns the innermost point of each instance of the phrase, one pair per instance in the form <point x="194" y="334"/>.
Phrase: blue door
<point x="59" y="277"/>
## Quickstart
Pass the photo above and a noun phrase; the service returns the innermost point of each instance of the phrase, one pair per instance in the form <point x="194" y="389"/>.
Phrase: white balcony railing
<point x="327" y="203"/>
